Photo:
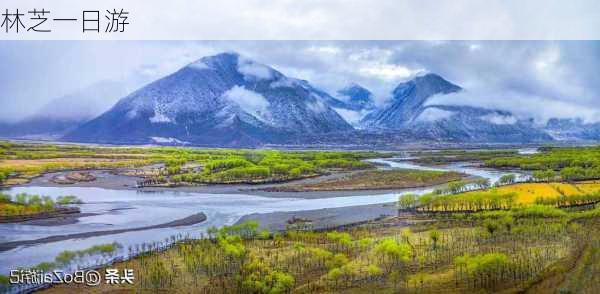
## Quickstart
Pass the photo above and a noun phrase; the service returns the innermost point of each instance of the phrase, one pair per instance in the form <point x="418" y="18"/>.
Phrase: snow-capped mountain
<point x="229" y="100"/>
<point x="474" y="124"/>
<point x="352" y="103"/>
<point x="224" y="100"/>
<point x="408" y="102"/>
<point x="409" y="110"/>
<point x="356" y="97"/>
<point x="572" y="129"/>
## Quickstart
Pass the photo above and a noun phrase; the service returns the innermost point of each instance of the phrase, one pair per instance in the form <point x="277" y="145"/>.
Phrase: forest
<point x="570" y="163"/>
<point x="517" y="250"/>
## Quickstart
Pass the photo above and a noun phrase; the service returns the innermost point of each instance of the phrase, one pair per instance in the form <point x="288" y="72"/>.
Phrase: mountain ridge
<point x="216" y="100"/>
<point x="228" y="100"/>
<point x="409" y="110"/>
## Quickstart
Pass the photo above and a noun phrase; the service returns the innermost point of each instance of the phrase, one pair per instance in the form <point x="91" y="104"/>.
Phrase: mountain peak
<point x="408" y="101"/>
<point x="213" y="101"/>
<point x="356" y="97"/>
<point x="233" y="63"/>
<point x="218" y="61"/>
<point x="435" y="79"/>
<point x="352" y="85"/>
<point x="428" y="76"/>
<point x="428" y="84"/>
<point x="229" y="56"/>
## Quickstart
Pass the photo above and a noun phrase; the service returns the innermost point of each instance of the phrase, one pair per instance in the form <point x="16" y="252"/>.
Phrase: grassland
<point x="162" y="166"/>
<point x="380" y="179"/>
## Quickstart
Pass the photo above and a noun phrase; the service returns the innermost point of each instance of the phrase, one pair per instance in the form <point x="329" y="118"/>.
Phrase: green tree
<point x="506" y="179"/>
<point x="407" y="201"/>
<point x="434" y="235"/>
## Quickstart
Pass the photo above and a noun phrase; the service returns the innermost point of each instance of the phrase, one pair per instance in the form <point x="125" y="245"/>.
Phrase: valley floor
<point x="309" y="188"/>
<point x="450" y="245"/>
<point x="391" y="255"/>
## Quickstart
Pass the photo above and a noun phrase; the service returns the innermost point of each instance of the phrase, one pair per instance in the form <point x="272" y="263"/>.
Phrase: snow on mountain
<point x="408" y="101"/>
<point x="572" y="129"/>
<point x="473" y="124"/>
<point x="224" y="99"/>
<point x="230" y="100"/>
<point x="356" y="97"/>
<point x="352" y="102"/>
<point x="409" y="111"/>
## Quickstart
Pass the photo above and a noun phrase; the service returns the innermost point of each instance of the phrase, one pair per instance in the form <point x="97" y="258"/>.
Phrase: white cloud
<point x="375" y="63"/>
<point x="529" y="78"/>
<point x="199" y="65"/>
<point x="522" y="105"/>
<point x="351" y="116"/>
<point x="432" y="114"/>
<point x="249" y="101"/>
<point x="253" y="70"/>
<point x="387" y="71"/>
<point x="499" y="119"/>
<point x="284" y="83"/>
<point x="325" y="49"/>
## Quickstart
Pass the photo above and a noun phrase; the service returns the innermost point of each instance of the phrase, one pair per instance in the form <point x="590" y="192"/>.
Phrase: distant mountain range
<point x="572" y="129"/>
<point x="229" y="100"/>
<point x="66" y="113"/>
<point x="63" y="114"/>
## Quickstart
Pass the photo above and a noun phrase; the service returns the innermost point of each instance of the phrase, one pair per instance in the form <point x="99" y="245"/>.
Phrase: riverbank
<point x="187" y="221"/>
<point x="323" y="218"/>
<point x="375" y="180"/>
<point x="55" y="213"/>
<point x="107" y="179"/>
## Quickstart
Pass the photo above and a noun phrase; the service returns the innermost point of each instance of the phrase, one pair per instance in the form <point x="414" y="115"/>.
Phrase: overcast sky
<point x="330" y="19"/>
<point x="539" y="79"/>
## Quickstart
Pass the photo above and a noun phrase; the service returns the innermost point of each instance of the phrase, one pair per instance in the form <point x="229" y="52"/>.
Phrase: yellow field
<point x="566" y="189"/>
<point x="528" y="192"/>
<point x="589" y="186"/>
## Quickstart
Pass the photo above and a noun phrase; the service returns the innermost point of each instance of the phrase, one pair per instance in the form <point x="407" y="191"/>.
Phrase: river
<point x="121" y="209"/>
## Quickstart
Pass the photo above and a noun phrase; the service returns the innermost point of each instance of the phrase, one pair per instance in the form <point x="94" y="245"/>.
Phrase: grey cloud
<point x="540" y="79"/>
